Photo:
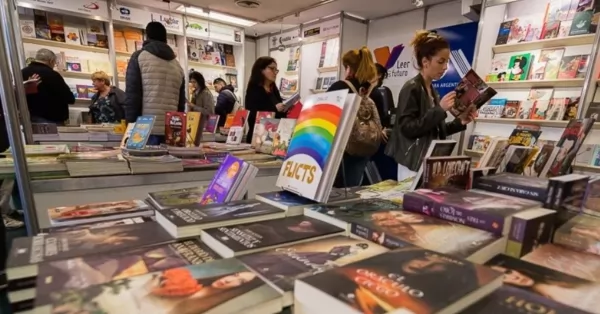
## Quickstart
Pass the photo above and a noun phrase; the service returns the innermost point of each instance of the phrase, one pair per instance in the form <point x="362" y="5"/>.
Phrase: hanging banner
<point x="213" y="31"/>
<point x="95" y="7"/>
<point x="326" y="28"/>
<point x="172" y="22"/>
<point x="287" y="38"/>
<point x="462" y="39"/>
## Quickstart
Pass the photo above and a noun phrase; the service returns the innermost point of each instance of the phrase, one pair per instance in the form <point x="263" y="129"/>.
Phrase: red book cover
<point x="264" y="114"/>
<point x="175" y="128"/>
<point x="294" y="112"/>
<point x="240" y="118"/>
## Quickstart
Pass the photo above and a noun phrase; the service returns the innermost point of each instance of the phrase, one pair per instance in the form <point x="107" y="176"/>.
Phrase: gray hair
<point x="45" y="55"/>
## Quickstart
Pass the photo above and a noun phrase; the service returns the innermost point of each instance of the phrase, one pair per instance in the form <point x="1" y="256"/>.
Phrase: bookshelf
<point x="288" y="60"/>
<point x="57" y="44"/>
<point x="196" y="64"/>
<point x="563" y="86"/>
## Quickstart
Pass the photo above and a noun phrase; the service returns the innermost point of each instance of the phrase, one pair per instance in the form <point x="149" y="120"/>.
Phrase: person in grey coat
<point x="202" y="100"/>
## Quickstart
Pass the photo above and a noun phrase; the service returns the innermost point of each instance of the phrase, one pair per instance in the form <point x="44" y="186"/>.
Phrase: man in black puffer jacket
<point x="225" y="101"/>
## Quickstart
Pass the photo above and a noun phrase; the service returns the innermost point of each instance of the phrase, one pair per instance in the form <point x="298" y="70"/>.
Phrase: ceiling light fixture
<point x="216" y="16"/>
<point x="355" y="16"/>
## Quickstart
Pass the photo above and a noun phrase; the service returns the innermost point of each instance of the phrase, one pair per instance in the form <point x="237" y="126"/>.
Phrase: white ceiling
<point x="271" y="11"/>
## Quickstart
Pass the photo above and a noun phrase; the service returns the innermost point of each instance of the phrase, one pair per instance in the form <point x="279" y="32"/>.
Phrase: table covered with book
<point x="457" y="238"/>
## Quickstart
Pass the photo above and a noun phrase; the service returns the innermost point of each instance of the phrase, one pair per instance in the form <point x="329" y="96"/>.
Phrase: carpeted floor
<point x="12" y="233"/>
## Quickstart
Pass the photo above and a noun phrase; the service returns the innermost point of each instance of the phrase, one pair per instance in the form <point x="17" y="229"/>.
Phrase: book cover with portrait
<point x="259" y="236"/>
<point x="430" y="233"/>
<point x="509" y="299"/>
<point x="282" y="266"/>
<point x="407" y="280"/>
<point x="555" y="285"/>
<point x="27" y="252"/>
<point x="82" y="272"/>
<point x="222" y="185"/>
<point x="579" y="264"/>
<point x="225" y="286"/>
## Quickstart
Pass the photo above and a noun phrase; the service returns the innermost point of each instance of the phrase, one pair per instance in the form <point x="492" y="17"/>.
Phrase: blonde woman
<point x="107" y="104"/>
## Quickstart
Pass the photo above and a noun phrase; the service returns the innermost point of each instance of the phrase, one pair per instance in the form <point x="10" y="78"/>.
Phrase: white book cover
<point x="72" y="35"/>
<point x="320" y="132"/>
<point x="235" y="135"/>
<point x="27" y="26"/>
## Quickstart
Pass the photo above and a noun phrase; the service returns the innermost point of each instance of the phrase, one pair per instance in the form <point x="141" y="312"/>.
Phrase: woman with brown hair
<point x="421" y="114"/>
<point x="361" y="73"/>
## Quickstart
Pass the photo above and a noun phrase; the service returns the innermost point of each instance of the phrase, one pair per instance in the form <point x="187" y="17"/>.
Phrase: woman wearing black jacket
<point x="421" y="115"/>
<point x="262" y="93"/>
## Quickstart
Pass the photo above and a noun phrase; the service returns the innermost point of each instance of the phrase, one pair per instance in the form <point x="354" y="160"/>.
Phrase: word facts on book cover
<point x="312" y="144"/>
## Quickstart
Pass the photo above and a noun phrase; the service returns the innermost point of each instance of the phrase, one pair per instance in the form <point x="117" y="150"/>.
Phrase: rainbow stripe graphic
<point x="314" y="132"/>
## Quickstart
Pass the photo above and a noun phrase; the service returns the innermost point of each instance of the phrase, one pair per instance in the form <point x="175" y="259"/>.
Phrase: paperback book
<point x="222" y="186"/>
<point x="254" y="237"/>
<point x="189" y="221"/>
<point x="396" y="281"/>
<point x="562" y="259"/>
<point x="225" y="286"/>
<point x="471" y="91"/>
<point x="176" y="198"/>
<point x="140" y="132"/>
<point x="316" y="148"/>
<point x="280" y="267"/>
<point x="96" y="212"/>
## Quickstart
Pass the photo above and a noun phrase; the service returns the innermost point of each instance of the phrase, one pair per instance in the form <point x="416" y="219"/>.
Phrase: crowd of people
<point x="155" y="84"/>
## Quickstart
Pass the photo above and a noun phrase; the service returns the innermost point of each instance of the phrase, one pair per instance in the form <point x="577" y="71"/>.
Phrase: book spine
<point x="550" y="194"/>
<point x="376" y="236"/>
<point x="514" y="245"/>
<point x="530" y="193"/>
<point x="560" y="190"/>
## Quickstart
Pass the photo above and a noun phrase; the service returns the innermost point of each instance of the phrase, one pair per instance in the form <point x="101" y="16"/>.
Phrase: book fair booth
<point x="502" y="217"/>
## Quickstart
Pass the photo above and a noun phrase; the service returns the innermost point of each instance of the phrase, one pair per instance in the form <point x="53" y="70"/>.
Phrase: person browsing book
<point x="202" y="99"/>
<point x="226" y="100"/>
<point x="420" y="114"/>
<point x="361" y="73"/>
<point x="262" y="93"/>
<point x="107" y="104"/>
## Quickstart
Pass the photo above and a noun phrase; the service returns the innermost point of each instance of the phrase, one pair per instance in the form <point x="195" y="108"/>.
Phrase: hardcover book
<point x="175" y="128"/>
<point x="283" y="136"/>
<point x="446" y="171"/>
<point x="407" y="280"/>
<point x="141" y="132"/>
<point x="96" y="212"/>
<point x="82" y="272"/>
<point x="509" y="299"/>
<point x="316" y="148"/>
<point x="265" y="135"/>
<point x="570" y="141"/>
<point x="184" y="222"/>
<point x="221" y="188"/>
<point x="27" y="253"/>
<point x="480" y="210"/>
<point x="254" y="237"/>
<point x="282" y="266"/>
<point x="225" y="286"/>
<point x="437" y="148"/>
<point x="175" y="198"/>
<point x="519" y="67"/>
<point x="560" y="287"/>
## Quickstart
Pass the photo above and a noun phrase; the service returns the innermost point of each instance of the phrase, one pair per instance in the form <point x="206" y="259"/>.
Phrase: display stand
<point x="495" y="14"/>
<point x="286" y="48"/>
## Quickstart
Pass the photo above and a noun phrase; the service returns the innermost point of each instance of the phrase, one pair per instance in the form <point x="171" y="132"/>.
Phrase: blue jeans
<point x="351" y="171"/>
<point x="155" y="140"/>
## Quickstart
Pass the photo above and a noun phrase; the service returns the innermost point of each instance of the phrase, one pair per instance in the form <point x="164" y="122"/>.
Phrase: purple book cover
<point x="221" y="185"/>
<point x="469" y="208"/>
<point x="211" y="124"/>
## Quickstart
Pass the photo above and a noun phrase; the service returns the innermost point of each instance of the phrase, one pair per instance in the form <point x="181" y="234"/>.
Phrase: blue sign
<point x="462" y="39"/>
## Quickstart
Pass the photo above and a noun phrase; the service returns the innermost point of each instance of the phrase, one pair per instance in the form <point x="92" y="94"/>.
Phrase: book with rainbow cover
<point x="317" y="146"/>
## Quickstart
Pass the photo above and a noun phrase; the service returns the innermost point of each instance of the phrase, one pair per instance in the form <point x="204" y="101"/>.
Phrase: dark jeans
<point x="351" y="171"/>
<point x="386" y="165"/>
<point x="155" y="140"/>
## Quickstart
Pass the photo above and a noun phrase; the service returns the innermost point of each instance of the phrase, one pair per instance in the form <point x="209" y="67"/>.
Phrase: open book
<point x="290" y="101"/>
<point x="471" y="90"/>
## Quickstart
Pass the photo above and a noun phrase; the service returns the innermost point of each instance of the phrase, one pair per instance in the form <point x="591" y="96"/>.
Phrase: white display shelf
<point x="473" y="153"/>
<point x="205" y="65"/>
<point x="577" y="82"/>
<point x="584" y="167"/>
<point x="58" y="44"/>
<point x="317" y="91"/>
<point x="547" y="123"/>
<point x="291" y="73"/>
<point x="546" y="43"/>
<point x="77" y="75"/>
<point x="327" y="69"/>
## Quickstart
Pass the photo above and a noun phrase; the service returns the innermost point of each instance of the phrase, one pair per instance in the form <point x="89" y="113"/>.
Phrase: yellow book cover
<point x="192" y="125"/>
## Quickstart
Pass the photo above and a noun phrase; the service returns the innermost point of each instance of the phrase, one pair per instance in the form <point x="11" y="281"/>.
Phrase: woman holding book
<point x="202" y="99"/>
<point x="421" y="114"/>
<point x="262" y="93"/>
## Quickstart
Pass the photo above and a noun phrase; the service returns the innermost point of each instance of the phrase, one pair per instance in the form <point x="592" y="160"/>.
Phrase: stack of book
<point x="95" y="163"/>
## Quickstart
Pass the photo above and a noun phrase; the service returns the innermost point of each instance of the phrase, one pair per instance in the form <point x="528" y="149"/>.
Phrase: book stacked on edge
<point x="230" y="183"/>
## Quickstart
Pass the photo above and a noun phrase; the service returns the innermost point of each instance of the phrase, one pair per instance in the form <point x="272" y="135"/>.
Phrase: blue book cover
<point x="141" y="132"/>
<point x="224" y="181"/>
<point x="285" y="198"/>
